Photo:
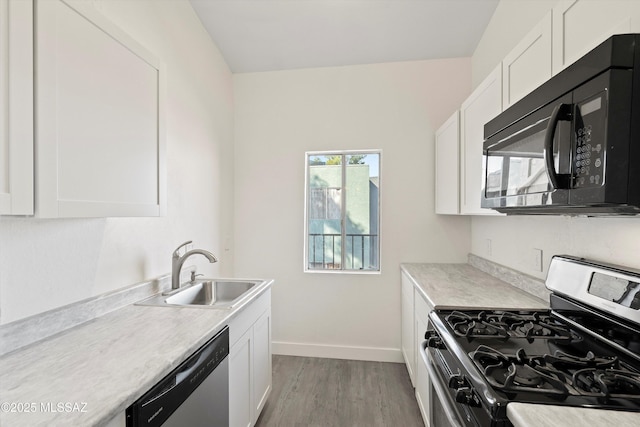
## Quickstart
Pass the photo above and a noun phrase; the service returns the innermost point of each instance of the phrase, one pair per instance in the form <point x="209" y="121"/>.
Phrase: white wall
<point x="615" y="240"/>
<point x="48" y="263"/>
<point x="395" y="107"/>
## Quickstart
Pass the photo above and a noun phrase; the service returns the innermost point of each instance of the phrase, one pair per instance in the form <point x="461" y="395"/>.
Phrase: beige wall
<point x="395" y="107"/>
<point x="513" y="239"/>
<point x="49" y="263"/>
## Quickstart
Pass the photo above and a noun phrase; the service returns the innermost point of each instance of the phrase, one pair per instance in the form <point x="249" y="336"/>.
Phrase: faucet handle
<point x="176" y="252"/>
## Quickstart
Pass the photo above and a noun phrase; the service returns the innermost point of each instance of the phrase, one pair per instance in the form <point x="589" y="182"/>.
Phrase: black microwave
<point x="572" y="146"/>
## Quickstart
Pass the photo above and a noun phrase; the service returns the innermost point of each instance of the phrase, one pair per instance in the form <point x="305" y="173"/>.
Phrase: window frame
<point x="308" y="155"/>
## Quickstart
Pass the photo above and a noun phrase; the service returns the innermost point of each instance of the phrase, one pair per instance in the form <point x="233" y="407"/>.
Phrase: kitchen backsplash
<point x="515" y="278"/>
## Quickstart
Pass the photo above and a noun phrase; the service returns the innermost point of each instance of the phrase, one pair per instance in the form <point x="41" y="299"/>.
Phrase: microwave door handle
<point x="562" y="112"/>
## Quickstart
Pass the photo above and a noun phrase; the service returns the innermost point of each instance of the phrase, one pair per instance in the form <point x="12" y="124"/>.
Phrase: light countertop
<point x="529" y="415"/>
<point x="450" y="286"/>
<point x="96" y="370"/>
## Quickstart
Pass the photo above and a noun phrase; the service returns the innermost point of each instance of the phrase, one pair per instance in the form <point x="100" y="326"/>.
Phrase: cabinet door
<point x="421" y="315"/>
<point x="483" y="105"/>
<point x="99" y="119"/>
<point x="407" y="325"/>
<point x="447" y="147"/>
<point x="579" y="26"/>
<point x="16" y="107"/>
<point x="528" y="65"/>
<point x="261" y="363"/>
<point x="422" y="375"/>
<point x="240" y="381"/>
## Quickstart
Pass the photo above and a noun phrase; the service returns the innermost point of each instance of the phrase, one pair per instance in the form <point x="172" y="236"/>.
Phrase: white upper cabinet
<point x="580" y="25"/>
<point x="16" y="107"/>
<point x="99" y="117"/>
<point x="528" y="65"/>
<point x="447" y="180"/>
<point x="483" y="104"/>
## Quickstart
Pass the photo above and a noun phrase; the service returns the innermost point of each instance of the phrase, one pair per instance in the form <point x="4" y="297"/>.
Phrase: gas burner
<point x="560" y="359"/>
<point x="607" y="382"/>
<point x="505" y="325"/>
<point x="544" y="329"/>
<point x="475" y="327"/>
<point x="552" y="374"/>
<point x="519" y="372"/>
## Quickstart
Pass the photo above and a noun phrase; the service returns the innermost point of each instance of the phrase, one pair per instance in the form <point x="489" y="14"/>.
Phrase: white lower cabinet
<point x="407" y="326"/>
<point x="261" y="362"/>
<point x="421" y="315"/>
<point x="415" y="317"/>
<point x="250" y="380"/>
<point x="240" y="370"/>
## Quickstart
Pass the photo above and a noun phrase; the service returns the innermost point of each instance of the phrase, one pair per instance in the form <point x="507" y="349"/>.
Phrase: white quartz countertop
<point x="450" y="286"/>
<point x="529" y="415"/>
<point x="87" y="375"/>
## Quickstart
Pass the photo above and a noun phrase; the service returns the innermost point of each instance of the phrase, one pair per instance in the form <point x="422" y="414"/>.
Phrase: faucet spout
<point x="178" y="261"/>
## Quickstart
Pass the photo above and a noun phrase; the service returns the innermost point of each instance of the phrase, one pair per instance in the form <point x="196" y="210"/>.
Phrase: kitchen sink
<point x="209" y="293"/>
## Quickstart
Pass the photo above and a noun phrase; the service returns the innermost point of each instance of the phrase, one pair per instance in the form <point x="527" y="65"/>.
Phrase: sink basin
<point x="211" y="293"/>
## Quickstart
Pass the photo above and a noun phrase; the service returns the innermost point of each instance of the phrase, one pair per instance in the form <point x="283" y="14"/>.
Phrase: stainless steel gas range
<point x="584" y="351"/>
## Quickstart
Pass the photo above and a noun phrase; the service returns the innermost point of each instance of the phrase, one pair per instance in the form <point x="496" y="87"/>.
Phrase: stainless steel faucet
<point x="177" y="261"/>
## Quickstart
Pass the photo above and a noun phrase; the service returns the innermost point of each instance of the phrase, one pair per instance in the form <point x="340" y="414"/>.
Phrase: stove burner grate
<point x="507" y="325"/>
<point x="518" y="372"/>
<point x="607" y="383"/>
<point x="559" y="374"/>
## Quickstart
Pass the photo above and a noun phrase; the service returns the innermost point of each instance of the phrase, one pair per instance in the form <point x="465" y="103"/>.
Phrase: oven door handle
<point x="562" y="112"/>
<point x="450" y="412"/>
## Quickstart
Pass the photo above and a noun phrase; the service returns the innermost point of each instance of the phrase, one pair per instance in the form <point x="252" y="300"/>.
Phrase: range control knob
<point x="466" y="396"/>
<point x="457" y="381"/>
<point x="435" y="342"/>
<point x="430" y="334"/>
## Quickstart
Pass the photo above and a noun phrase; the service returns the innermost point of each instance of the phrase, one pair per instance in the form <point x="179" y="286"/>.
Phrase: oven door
<point x="443" y="410"/>
<point x="528" y="164"/>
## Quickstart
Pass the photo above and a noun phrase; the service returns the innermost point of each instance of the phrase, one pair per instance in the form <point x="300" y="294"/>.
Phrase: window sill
<point x="363" y="272"/>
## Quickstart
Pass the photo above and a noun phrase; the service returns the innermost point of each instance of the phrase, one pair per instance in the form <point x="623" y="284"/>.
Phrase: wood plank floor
<point x="339" y="393"/>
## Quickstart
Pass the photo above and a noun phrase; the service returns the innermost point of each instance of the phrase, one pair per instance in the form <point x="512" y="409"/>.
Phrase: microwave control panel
<point x="589" y="134"/>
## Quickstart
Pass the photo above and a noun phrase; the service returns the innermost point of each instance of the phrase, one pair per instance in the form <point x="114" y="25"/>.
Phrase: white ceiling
<point x="266" y="35"/>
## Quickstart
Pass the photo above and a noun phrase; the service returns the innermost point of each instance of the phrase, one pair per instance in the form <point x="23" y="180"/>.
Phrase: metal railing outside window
<point x="325" y="251"/>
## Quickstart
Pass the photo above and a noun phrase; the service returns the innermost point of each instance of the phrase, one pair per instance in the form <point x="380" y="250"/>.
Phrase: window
<point x="342" y="213"/>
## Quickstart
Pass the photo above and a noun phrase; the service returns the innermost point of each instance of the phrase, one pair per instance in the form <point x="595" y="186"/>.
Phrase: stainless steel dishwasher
<point x="195" y="394"/>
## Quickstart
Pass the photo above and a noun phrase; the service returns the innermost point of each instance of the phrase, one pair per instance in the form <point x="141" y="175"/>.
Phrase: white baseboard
<point x="374" y="354"/>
